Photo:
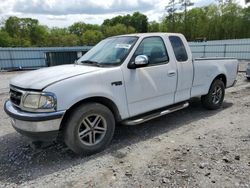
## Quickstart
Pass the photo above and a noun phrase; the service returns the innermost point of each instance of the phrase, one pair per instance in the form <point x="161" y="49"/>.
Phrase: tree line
<point x="213" y="22"/>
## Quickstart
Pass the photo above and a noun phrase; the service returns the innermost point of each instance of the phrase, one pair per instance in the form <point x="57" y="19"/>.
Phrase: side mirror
<point x="140" y="61"/>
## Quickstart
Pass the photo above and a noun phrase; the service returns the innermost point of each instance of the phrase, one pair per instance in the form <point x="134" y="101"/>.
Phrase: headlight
<point x="42" y="101"/>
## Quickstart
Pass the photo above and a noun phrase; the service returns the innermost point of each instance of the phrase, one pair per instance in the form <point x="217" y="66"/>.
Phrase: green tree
<point x="212" y="25"/>
<point x="91" y="37"/>
<point x="196" y="21"/>
<point x="153" y="26"/>
<point x="224" y="21"/>
<point x="62" y="37"/>
<point x="20" y="27"/>
<point x="39" y="35"/>
<point x="79" y="28"/>
<point x="137" y="20"/>
<point x="5" y="39"/>
<point x="245" y="31"/>
<point x="231" y="20"/>
<point x="118" y="29"/>
<point x="163" y="26"/>
<point x="22" y="30"/>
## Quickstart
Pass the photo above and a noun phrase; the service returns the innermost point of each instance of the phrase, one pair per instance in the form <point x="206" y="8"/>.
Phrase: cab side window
<point x="179" y="48"/>
<point x="154" y="48"/>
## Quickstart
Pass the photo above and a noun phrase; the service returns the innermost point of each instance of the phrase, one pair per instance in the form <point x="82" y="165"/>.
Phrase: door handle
<point x="171" y="73"/>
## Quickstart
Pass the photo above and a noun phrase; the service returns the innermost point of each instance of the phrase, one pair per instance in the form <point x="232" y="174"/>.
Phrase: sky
<point x="62" y="13"/>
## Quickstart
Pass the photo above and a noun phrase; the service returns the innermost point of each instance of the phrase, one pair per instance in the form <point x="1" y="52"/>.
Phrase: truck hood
<point x="39" y="79"/>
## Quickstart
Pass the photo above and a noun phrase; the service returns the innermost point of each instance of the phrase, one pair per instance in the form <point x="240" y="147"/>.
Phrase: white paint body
<point x="142" y="90"/>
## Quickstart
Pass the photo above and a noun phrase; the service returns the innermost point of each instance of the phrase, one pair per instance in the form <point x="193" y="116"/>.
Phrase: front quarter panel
<point x="95" y="84"/>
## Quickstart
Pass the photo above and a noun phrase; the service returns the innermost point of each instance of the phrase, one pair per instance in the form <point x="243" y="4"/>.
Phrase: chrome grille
<point x="15" y="97"/>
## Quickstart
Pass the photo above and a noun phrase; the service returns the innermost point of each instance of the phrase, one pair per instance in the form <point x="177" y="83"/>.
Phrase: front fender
<point x="75" y="89"/>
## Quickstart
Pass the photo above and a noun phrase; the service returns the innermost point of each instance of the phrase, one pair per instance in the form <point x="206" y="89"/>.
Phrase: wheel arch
<point x="221" y="77"/>
<point x="102" y="100"/>
<point x="207" y="99"/>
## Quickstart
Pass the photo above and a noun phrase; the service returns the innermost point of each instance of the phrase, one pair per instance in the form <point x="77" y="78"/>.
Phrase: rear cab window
<point x="179" y="48"/>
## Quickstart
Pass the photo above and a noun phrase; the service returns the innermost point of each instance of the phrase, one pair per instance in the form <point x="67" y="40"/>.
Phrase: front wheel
<point x="89" y="129"/>
<point x="213" y="100"/>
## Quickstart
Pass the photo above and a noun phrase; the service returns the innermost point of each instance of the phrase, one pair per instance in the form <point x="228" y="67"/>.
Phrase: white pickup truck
<point x="128" y="79"/>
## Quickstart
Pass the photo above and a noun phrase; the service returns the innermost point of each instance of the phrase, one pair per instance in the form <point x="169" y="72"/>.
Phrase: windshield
<point x="111" y="51"/>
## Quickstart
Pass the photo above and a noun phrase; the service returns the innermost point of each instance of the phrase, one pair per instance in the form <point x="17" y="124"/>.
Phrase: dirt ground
<point x="193" y="147"/>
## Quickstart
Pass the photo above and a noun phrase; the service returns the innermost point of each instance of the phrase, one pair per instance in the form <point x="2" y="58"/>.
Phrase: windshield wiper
<point x="95" y="63"/>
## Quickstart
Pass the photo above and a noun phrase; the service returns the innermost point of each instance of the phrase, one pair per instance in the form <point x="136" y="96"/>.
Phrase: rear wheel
<point x="89" y="129"/>
<point x="213" y="100"/>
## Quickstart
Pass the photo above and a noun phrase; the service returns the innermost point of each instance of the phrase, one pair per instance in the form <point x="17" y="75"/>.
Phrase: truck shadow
<point x="20" y="163"/>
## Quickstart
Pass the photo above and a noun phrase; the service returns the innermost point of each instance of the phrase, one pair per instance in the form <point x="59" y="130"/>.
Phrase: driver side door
<point x="153" y="86"/>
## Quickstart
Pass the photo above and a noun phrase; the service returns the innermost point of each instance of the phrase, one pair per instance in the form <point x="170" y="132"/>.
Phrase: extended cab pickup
<point x="128" y="79"/>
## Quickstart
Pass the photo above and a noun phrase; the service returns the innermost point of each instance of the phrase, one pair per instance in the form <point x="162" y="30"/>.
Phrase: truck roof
<point x="150" y="34"/>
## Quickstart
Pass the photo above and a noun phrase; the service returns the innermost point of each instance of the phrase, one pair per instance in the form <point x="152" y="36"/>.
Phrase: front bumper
<point x="41" y="126"/>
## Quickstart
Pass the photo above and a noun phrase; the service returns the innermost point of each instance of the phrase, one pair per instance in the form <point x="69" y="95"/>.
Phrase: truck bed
<point x="206" y="69"/>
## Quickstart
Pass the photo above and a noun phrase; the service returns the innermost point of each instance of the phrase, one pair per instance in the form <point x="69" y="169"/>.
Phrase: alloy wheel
<point x="216" y="94"/>
<point x="92" y="129"/>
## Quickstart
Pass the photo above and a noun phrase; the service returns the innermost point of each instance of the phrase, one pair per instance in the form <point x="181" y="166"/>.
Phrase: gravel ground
<point x="193" y="147"/>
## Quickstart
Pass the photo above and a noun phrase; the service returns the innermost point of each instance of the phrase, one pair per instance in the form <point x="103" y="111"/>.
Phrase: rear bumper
<point x="37" y="126"/>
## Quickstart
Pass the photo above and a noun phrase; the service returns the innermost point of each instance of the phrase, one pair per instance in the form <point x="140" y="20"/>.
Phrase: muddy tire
<point x="214" y="99"/>
<point x="89" y="129"/>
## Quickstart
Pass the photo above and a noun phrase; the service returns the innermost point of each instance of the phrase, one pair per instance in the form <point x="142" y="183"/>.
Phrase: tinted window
<point x="154" y="48"/>
<point x="179" y="48"/>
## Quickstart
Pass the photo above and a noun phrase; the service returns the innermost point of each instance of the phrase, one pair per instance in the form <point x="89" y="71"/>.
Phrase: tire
<point x="89" y="129"/>
<point x="248" y="78"/>
<point x="214" y="99"/>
